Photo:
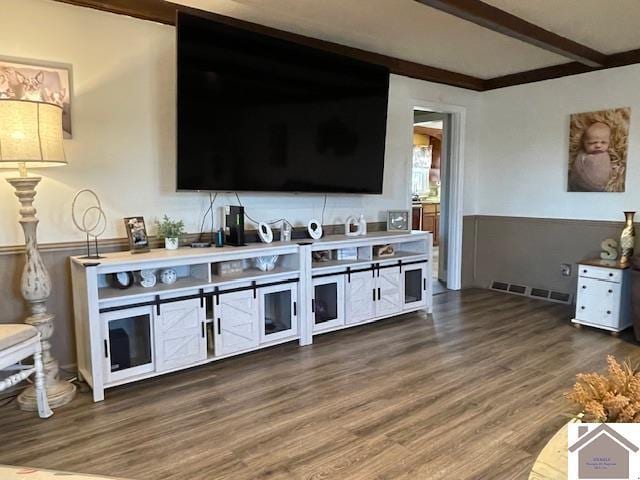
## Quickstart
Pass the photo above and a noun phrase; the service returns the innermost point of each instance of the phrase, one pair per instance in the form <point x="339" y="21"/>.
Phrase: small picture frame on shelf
<point x="382" y="251"/>
<point x="137" y="234"/>
<point x="398" y="221"/>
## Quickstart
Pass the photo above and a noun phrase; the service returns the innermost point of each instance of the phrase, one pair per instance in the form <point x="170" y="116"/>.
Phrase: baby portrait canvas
<point x="598" y="144"/>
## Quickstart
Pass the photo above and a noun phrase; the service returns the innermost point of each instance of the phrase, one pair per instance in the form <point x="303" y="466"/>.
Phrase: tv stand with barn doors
<point x="221" y="305"/>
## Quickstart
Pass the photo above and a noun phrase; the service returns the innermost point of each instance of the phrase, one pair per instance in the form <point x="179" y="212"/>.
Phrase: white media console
<point x="125" y="335"/>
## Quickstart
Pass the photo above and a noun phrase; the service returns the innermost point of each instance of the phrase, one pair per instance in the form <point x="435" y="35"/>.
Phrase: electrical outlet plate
<point x="565" y="268"/>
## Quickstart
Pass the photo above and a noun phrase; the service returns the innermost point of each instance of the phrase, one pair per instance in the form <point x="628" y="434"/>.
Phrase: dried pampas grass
<point x="614" y="397"/>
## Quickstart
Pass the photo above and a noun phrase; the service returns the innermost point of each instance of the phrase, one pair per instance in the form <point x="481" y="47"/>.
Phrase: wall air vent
<point x="538" y="293"/>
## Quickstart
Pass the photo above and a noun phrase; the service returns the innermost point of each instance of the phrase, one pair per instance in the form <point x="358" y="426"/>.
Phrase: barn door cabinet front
<point x="278" y="312"/>
<point x="415" y="285"/>
<point x="361" y="295"/>
<point x="180" y="334"/>
<point x="236" y="322"/>
<point x="128" y="343"/>
<point x="327" y="303"/>
<point x="388" y="290"/>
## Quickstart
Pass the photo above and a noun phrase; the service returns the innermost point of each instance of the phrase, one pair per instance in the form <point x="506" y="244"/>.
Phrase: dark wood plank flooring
<point x="472" y="393"/>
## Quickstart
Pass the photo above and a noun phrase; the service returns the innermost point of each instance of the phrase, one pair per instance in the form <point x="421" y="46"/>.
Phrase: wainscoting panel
<point x="529" y="251"/>
<point x="13" y="308"/>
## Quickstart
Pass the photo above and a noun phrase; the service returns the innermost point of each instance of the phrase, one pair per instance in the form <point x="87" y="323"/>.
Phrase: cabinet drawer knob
<point x="582" y="307"/>
<point x="584" y="271"/>
<point x="611" y="274"/>
<point x="584" y="286"/>
<point x="610" y="291"/>
<point x="608" y="312"/>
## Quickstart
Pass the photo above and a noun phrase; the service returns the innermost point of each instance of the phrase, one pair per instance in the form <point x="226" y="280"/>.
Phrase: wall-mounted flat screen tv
<point x="258" y="113"/>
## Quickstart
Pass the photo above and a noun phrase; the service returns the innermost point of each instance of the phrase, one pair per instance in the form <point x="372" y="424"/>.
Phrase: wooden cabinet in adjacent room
<point x="416" y="217"/>
<point x="431" y="220"/>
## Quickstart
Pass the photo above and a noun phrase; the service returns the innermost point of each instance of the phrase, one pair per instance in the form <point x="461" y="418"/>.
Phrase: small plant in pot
<point x="171" y="231"/>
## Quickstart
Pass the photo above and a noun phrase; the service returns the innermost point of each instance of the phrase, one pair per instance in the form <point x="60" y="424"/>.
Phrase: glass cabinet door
<point x="128" y="343"/>
<point x="278" y="312"/>
<point x="415" y="286"/>
<point x="328" y="302"/>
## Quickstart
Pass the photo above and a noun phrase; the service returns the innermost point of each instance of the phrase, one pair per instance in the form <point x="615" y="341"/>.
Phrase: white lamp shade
<point x="30" y="133"/>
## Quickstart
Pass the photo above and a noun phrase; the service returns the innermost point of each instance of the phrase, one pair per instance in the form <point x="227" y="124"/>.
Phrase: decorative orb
<point x="168" y="276"/>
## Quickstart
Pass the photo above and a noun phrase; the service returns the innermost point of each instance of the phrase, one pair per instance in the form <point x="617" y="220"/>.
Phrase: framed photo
<point x="598" y="147"/>
<point x="398" y="221"/>
<point x="137" y="233"/>
<point x="38" y="82"/>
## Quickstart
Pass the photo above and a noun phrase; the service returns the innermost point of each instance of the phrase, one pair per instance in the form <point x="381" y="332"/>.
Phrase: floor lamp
<point x="31" y="136"/>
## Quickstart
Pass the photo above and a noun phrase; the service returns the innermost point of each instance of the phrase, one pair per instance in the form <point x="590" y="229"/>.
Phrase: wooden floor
<point x="472" y="393"/>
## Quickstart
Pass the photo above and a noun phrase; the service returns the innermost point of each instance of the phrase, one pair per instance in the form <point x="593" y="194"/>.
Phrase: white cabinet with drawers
<point x="602" y="299"/>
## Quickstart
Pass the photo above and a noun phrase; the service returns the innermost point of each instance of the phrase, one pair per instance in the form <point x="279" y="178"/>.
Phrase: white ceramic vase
<point x="171" y="243"/>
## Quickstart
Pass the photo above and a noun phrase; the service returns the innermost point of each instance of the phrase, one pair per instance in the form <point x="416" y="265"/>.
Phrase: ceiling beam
<point x="165" y="12"/>
<point x="623" y="58"/>
<point x="497" y="20"/>
<point x="620" y="59"/>
<point x="537" y="75"/>
<point x="153" y="10"/>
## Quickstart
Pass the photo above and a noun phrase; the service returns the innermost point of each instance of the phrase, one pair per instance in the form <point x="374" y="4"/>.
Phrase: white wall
<point x="405" y="94"/>
<point x="524" y="146"/>
<point x="124" y="129"/>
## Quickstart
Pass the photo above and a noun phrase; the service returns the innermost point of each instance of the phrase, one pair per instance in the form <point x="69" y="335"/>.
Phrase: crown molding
<point x="164" y="12"/>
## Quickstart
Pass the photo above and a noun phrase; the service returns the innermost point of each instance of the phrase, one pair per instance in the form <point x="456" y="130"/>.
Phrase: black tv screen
<point x="257" y="113"/>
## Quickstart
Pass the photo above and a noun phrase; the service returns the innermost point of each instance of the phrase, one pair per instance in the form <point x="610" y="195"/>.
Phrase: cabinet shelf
<point x="252" y="274"/>
<point x="319" y="266"/>
<point x="400" y="255"/>
<point x="110" y="293"/>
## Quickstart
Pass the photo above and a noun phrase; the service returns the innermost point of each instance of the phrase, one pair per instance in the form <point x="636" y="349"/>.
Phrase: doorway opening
<point x="429" y="195"/>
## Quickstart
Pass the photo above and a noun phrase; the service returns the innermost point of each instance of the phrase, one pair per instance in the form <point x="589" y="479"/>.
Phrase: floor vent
<point x="539" y="293"/>
<point x="519" y="289"/>
<point x="500" y="286"/>
<point x="560" y="297"/>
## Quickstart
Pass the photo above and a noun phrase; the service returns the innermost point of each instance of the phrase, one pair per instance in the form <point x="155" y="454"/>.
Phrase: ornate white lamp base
<point x="59" y="393"/>
<point x="36" y="288"/>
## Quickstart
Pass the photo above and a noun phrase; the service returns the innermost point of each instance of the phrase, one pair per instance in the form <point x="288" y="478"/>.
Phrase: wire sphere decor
<point x="91" y="221"/>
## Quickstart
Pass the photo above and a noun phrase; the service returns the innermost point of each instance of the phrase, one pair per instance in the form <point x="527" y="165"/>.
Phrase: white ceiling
<point x="609" y="26"/>
<point x="411" y="31"/>
<point x="435" y="124"/>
